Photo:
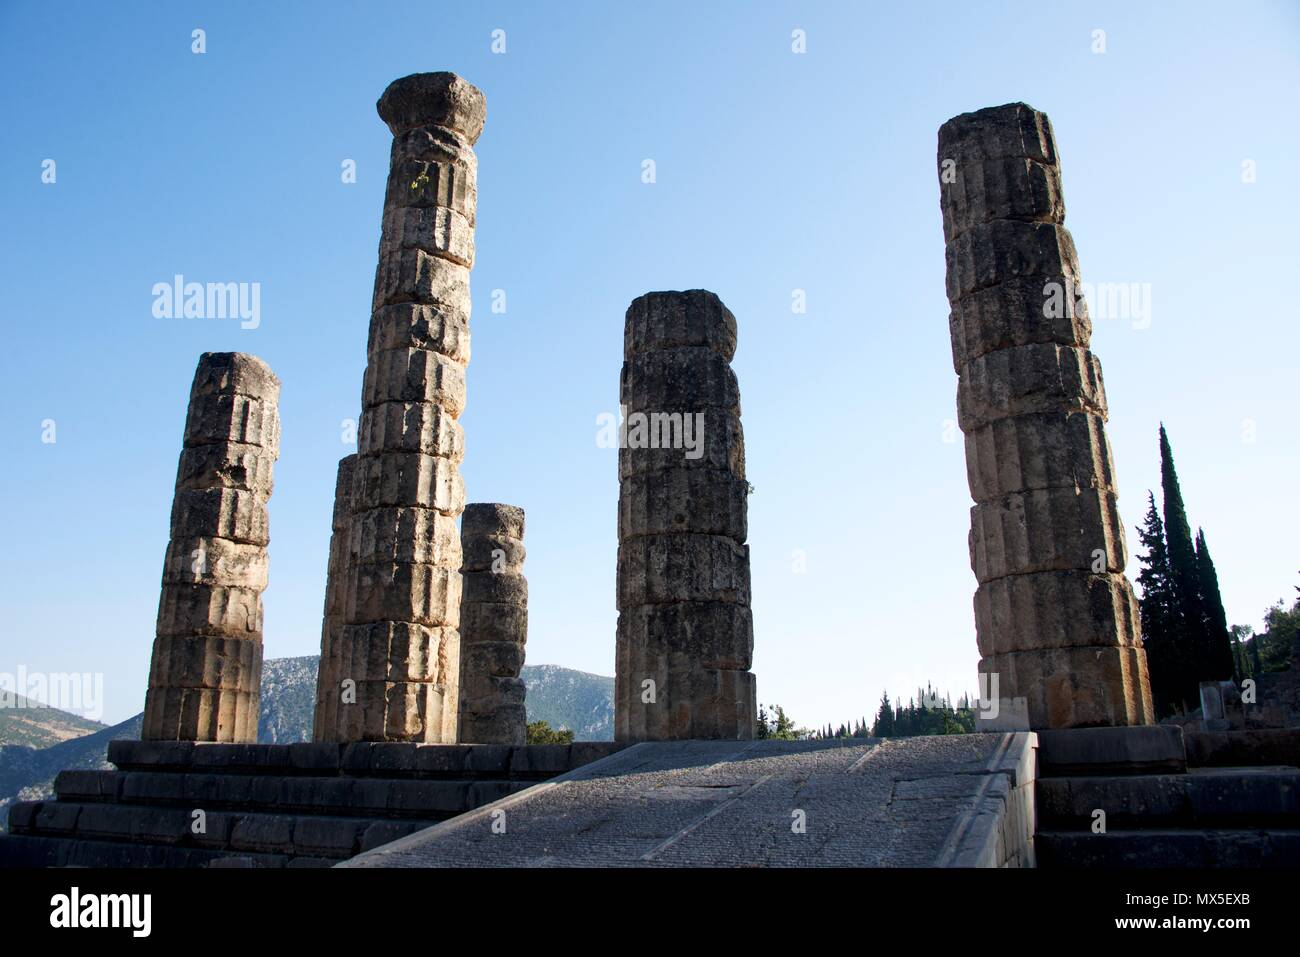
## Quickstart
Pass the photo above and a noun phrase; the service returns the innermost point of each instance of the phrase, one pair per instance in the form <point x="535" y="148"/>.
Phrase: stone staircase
<point x="1204" y="799"/>
<point x="180" y="804"/>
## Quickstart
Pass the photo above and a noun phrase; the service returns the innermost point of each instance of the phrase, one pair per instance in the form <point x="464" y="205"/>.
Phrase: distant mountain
<point x="565" y="698"/>
<point x="288" y="699"/>
<point x="561" y="697"/>
<point x="35" y="725"/>
<point x="27" y="774"/>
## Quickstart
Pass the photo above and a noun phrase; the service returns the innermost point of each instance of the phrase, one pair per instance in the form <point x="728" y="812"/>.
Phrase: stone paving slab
<point x="956" y="800"/>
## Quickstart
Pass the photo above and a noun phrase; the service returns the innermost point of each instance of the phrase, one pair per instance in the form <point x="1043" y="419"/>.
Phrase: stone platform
<point x="957" y="800"/>
<point x="267" y="805"/>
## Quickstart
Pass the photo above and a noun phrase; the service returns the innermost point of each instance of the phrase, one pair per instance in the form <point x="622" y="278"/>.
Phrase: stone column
<point x="207" y="656"/>
<point x="399" y="645"/>
<point x="1055" y="618"/>
<point x="493" y="625"/>
<point x="328" y="673"/>
<point x="685" y="633"/>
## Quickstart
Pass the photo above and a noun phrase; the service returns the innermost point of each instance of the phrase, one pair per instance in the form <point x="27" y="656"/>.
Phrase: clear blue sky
<point x="775" y="171"/>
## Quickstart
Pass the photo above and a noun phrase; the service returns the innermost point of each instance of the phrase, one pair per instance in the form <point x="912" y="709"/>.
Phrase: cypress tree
<point x="1189" y="619"/>
<point x="1158" y="610"/>
<point x="1218" y="658"/>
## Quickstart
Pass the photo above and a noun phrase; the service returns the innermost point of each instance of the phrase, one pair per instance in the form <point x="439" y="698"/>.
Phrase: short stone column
<point x="685" y="632"/>
<point x="329" y="687"/>
<point x="1055" y="618"/>
<point x="493" y="625"/>
<point x="399" y="646"/>
<point x="207" y="655"/>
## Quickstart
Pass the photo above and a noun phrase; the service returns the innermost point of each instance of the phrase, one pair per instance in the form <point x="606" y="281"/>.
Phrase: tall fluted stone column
<point x="493" y="625"/>
<point x="685" y="632"/>
<point x="399" y="648"/>
<point x="207" y="656"/>
<point x="328" y="674"/>
<point x="1055" y="617"/>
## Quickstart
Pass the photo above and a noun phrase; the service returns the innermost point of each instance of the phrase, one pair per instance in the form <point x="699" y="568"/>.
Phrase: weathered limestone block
<point x="328" y="689"/>
<point x="397" y="652"/>
<point x="207" y="652"/>
<point x="226" y="465"/>
<point x="414" y="375"/>
<point x="1056" y="610"/>
<point x="393" y="711"/>
<point x="685" y="379"/>
<point x="210" y="610"/>
<point x="684" y="640"/>
<point x="1045" y="450"/>
<point x="1056" y="620"/>
<point x="434" y="229"/>
<point x="200" y="714"/>
<point x="1052" y="529"/>
<point x="1018" y="312"/>
<point x="406" y="534"/>
<point x="715" y="440"/>
<point x="494" y="625"/>
<point x="421" y="277"/>
<point x="1076" y="687"/>
<point x="681" y="500"/>
<point x="992" y="253"/>
<point x="670" y="320"/>
<point x="411" y="427"/>
<point x="431" y="168"/>
<point x="493" y="621"/>
<point x="412" y="479"/>
<point x="682" y="567"/>
<point x="719" y="634"/>
<point x="1042" y="377"/>
<point x="403" y="592"/>
<point x="439" y="327"/>
<point x="232" y="664"/>
<point x="233" y="418"/>
<point x="671" y="697"/>
<point x="206" y="560"/>
<point x="223" y="512"/>
<point x="1008" y="187"/>
<point x="486" y="588"/>
<point x="443" y="101"/>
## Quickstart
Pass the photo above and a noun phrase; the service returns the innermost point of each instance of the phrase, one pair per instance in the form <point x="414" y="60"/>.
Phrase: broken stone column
<point x="493" y="625"/>
<point x="328" y="674"/>
<point x="1056" y="619"/>
<point x="685" y="632"/>
<point x="399" y="647"/>
<point x="207" y="653"/>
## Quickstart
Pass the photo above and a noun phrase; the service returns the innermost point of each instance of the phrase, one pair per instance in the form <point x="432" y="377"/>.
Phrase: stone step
<point x="1265" y="746"/>
<point x="530" y="762"/>
<point x="1273" y="848"/>
<point x="33" y="850"/>
<point x="1151" y="749"/>
<point x="426" y="799"/>
<point x="1229" y="797"/>
<point x="242" y="832"/>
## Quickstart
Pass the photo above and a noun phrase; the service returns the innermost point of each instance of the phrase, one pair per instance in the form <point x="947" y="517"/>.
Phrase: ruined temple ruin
<point x="493" y="624"/>
<point x="1056" y="619"/>
<point x="207" y="655"/>
<point x="330" y="669"/>
<point x="685" y="636"/>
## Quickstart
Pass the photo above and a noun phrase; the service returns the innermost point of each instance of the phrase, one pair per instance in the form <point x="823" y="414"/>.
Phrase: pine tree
<point x="1218" y="657"/>
<point x="1157" y="608"/>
